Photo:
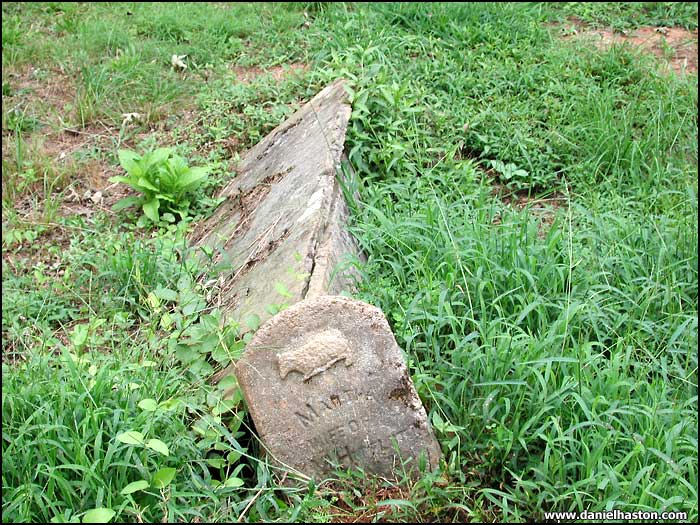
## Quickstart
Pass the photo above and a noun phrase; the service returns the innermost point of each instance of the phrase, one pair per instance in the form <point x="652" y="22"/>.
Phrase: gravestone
<point x="280" y="230"/>
<point x="324" y="379"/>
<point x="326" y="383"/>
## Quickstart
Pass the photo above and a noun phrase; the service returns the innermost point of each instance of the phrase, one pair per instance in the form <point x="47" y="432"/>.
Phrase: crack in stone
<point x="249" y="200"/>
<point x="320" y="239"/>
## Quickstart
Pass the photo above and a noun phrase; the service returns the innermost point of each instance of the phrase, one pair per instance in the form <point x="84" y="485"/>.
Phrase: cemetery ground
<point x="528" y="209"/>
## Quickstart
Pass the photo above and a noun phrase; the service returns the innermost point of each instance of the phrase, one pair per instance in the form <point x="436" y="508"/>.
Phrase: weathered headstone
<point x="326" y="382"/>
<point x="324" y="379"/>
<point x="281" y="227"/>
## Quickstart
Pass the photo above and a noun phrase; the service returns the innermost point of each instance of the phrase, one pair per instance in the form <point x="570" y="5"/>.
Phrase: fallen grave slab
<point x="280" y="230"/>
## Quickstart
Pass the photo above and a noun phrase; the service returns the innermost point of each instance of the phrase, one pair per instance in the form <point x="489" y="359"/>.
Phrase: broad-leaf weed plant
<point x="165" y="181"/>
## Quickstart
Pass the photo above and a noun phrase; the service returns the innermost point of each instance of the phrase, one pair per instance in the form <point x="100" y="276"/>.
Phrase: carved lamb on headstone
<point x="320" y="353"/>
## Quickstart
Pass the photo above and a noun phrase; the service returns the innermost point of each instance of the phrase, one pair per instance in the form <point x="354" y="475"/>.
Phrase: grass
<point x="623" y="16"/>
<point x="528" y="207"/>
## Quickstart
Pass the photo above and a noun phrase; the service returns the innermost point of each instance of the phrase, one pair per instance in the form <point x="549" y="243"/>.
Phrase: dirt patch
<point x="367" y="507"/>
<point x="90" y="174"/>
<point x="521" y="199"/>
<point x="60" y="175"/>
<point x="91" y="184"/>
<point x="23" y="259"/>
<point x="677" y="46"/>
<point x="64" y="141"/>
<point x="31" y="86"/>
<point x="248" y="74"/>
<point x="52" y="147"/>
<point x="543" y="208"/>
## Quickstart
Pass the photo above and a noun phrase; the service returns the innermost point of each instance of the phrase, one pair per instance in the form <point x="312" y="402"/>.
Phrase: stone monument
<point x="327" y="384"/>
<point x="281" y="228"/>
<point x="324" y="379"/>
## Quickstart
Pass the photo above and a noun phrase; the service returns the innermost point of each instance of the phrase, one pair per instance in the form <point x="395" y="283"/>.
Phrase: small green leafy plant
<point x="512" y="175"/>
<point x="164" y="179"/>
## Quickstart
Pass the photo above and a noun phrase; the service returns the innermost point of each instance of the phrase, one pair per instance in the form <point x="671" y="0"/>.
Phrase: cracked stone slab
<point x="281" y="228"/>
<point x="326" y="383"/>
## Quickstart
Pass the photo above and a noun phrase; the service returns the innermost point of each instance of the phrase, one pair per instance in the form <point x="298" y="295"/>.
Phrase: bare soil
<point x="247" y="74"/>
<point x="543" y="208"/>
<point x="48" y="87"/>
<point x="675" y="45"/>
<point x="48" y="96"/>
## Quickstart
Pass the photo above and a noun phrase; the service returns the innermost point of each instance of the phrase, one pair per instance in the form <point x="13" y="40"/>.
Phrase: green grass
<point x="69" y="410"/>
<point x="564" y="359"/>
<point x="119" y="56"/>
<point x="553" y="342"/>
<point x="623" y="16"/>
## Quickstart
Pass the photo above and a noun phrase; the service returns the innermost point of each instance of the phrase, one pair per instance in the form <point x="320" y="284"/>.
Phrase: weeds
<point x="74" y="412"/>
<point x="554" y="347"/>
<point x="164" y="179"/>
<point x="630" y="15"/>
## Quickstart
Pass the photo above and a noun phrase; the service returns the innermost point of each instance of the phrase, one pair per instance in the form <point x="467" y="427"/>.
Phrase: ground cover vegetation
<point x="527" y="204"/>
